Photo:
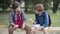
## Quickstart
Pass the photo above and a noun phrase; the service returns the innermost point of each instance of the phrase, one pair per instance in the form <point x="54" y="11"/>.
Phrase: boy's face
<point x="37" y="12"/>
<point x="17" y="9"/>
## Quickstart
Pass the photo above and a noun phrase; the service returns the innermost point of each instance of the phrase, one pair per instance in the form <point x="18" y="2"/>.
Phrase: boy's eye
<point x="39" y="10"/>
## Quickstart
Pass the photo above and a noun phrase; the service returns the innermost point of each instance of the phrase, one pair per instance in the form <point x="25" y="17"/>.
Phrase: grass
<point x="55" y="18"/>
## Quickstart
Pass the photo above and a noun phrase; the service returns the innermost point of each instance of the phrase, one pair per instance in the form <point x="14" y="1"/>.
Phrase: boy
<point x="41" y="19"/>
<point x="17" y="19"/>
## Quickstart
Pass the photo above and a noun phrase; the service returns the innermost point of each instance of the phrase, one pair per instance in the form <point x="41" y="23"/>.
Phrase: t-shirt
<point x="19" y="22"/>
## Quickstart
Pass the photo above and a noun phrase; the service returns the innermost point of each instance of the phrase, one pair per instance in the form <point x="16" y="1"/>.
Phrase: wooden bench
<point x="50" y="29"/>
<point x="54" y="29"/>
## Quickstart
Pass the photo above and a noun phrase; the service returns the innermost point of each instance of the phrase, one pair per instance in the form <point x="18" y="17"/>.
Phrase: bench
<point x="54" y="29"/>
<point x="50" y="29"/>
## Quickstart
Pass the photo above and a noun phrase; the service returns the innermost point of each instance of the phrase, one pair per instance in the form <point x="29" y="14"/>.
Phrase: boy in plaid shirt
<point x="17" y="19"/>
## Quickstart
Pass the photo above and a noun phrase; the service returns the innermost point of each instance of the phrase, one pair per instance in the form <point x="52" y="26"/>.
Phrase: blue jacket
<point x="42" y="19"/>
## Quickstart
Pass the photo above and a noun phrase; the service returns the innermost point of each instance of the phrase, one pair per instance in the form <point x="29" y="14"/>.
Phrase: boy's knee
<point x="33" y="29"/>
<point x="44" y="29"/>
<point x="27" y="28"/>
<point x="10" y="29"/>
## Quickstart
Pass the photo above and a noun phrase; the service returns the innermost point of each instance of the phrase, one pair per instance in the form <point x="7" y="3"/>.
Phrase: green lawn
<point x="54" y="17"/>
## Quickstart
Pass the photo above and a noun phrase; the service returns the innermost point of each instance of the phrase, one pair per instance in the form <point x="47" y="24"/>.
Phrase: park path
<point x="15" y="32"/>
<point x="5" y="31"/>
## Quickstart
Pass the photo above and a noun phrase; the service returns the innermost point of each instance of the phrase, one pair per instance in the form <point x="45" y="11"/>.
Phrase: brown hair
<point x="15" y="4"/>
<point x="39" y="6"/>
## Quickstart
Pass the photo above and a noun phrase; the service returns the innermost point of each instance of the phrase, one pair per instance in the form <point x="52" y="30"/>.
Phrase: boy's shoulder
<point x="45" y="12"/>
<point x="12" y="11"/>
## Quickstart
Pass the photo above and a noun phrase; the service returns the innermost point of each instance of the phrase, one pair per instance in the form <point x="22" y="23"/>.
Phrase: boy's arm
<point x="34" y="21"/>
<point x="31" y="20"/>
<point x="23" y="19"/>
<point x="11" y="18"/>
<point x="46" y="20"/>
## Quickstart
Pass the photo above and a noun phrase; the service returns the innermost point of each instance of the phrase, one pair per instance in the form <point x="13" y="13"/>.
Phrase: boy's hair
<point x="15" y="4"/>
<point x="39" y="6"/>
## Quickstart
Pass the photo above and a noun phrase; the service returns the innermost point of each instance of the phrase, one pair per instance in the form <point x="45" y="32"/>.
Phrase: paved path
<point x="4" y="31"/>
<point x="15" y="32"/>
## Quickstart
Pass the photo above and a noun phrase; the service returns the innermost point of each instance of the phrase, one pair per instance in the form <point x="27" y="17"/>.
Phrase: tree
<point x="34" y="2"/>
<point x="5" y="4"/>
<point x="44" y="2"/>
<point x="27" y="4"/>
<point x="55" y="5"/>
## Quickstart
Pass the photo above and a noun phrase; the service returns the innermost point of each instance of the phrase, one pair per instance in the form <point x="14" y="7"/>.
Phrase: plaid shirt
<point x="13" y="17"/>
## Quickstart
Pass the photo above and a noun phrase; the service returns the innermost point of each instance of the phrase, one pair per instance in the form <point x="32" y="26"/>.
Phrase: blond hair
<point x="39" y="6"/>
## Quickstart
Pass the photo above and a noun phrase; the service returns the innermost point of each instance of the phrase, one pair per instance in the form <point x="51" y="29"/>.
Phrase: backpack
<point x="49" y="18"/>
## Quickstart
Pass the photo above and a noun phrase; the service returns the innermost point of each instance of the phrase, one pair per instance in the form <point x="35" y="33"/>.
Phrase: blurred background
<point x="51" y="6"/>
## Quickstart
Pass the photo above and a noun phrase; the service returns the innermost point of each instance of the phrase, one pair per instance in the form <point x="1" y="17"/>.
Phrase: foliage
<point x="5" y="4"/>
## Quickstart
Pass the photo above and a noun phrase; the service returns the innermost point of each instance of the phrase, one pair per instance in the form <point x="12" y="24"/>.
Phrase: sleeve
<point x="23" y="17"/>
<point x="46" y="20"/>
<point x="36" y="20"/>
<point x="10" y="18"/>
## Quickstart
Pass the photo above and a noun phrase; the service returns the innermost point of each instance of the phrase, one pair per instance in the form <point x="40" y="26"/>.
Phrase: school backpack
<point x="49" y="18"/>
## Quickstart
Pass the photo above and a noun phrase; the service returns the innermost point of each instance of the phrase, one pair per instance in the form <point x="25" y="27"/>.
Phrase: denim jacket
<point x="43" y="20"/>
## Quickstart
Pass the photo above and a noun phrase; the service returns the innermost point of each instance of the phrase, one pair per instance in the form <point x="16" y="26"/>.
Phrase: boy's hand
<point x="31" y="20"/>
<point x="15" y="26"/>
<point x="23" y="26"/>
<point x="12" y="24"/>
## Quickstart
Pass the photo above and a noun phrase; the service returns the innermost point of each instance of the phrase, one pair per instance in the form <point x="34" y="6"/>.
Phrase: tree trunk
<point x="26" y="6"/>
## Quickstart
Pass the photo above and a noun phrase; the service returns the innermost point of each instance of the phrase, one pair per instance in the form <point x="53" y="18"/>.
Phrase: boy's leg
<point x="35" y="28"/>
<point x="45" y="31"/>
<point x="11" y="29"/>
<point x="27" y="29"/>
